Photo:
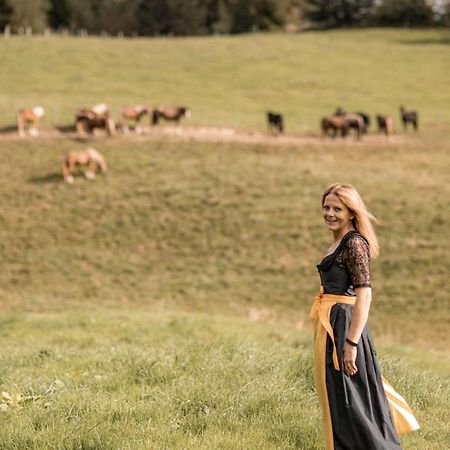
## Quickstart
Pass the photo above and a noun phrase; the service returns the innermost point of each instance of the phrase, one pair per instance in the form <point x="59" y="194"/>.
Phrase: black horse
<point x="366" y="119"/>
<point x="173" y="114"/>
<point x="275" y="122"/>
<point x="411" y="117"/>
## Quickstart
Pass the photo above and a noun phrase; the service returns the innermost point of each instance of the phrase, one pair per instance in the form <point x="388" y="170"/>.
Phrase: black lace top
<point x="348" y="267"/>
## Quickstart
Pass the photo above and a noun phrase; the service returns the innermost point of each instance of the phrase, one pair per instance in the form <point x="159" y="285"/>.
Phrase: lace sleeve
<point x="356" y="259"/>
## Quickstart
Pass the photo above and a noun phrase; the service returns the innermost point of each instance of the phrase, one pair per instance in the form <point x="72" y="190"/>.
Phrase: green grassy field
<point x="232" y="81"/>
<point x="183" y="222"/>
<point x="161" y="380"/>
<point x="164" y="305"/>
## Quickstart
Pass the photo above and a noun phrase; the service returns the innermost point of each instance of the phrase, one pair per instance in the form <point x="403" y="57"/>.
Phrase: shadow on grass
<point x="66" y="128"/>
<point x="53" y="177"/>
<point x="441" y="41"/>
<point x="8" y="129"/>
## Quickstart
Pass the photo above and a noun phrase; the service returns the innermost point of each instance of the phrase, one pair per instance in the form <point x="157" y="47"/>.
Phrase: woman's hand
<point x="350" y="359"/>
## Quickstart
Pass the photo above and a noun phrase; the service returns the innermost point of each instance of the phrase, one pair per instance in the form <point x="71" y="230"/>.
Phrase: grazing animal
<point x="31" y="118"/>
<point x="411" y="117"/>
<point x="87" y="120"/>
<point x="355" y="122"/>
<point x="100" y="109"/>
<point x="366" y="118"/>
<point x="133" y="113"/>
<point x="332" y="125"/>
<point x="385" y="124"/>
<point x="275" y="123"/>
<point x="89" y="158"/>
<point x="172" y="114"/>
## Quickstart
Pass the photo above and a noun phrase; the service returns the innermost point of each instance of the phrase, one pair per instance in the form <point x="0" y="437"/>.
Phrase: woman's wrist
<point x="350" y="342"/>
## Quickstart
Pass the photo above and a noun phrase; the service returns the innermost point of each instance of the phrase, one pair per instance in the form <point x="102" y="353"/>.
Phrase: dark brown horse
<point x="332" y="125"/>
<point x="87" y="120"/>
<point x="411" y="117"/>
<point x="133" y="113"/>
<point x="172" y="114"/>
<point x="355" y="122"/>
<point x="385" y="124"/>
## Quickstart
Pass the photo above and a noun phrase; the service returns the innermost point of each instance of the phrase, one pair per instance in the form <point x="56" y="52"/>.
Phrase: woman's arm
<point x="359" y="320"/>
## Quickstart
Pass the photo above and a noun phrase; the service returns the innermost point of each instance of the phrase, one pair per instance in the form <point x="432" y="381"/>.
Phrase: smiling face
<point x="337" y="216"/>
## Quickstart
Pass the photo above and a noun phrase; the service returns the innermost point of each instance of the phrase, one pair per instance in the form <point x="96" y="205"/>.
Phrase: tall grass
<point x="139" y="380"/>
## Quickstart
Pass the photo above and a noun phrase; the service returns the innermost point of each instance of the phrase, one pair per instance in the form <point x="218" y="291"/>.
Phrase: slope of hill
<point x="129" y="303"/>
<point x="233" y="80"/>
<point x="183" y="223"/>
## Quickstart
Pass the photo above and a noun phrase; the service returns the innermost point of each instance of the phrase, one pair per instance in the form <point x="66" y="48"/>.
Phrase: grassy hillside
<point x="232" y="81"/>
<point x="165" y="304"/>
<point x="220" y="227"/>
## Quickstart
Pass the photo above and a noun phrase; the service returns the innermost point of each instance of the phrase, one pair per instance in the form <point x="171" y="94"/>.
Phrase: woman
<point x="360" y="410"/>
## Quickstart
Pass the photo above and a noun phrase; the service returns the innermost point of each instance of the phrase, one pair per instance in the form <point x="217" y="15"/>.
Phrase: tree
<point x="29" y="13"/>
<point x="179" y="17"/>
<point x="249" y="15"/>
<point x="118" y="15"/>
<point x="6" y="12"/>
<point x="59" y="14"/>
<point x="223" y="21"/>
<point x="446" y="14"/>
<point x="404" y="13"/>
<point x="338" y="13"/>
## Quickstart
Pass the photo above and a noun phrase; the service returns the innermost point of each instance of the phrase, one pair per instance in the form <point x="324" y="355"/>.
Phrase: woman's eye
<point x="338" y="209"/>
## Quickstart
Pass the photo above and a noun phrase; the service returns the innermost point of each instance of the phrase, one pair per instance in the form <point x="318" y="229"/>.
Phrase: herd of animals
<point x="341" y="123"/>
<point x="88" y="120"/>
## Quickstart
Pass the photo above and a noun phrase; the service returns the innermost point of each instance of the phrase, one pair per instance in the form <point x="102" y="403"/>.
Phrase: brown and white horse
<point x="89" y="158"/>
<point x="31" y="118"/>
<point x="87" y="120"/>
<point x="172" y="114"/>
<point x="133" y="113"/>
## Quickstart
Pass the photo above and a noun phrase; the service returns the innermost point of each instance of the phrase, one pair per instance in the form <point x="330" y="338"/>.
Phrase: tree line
<point x="203" y="17"/>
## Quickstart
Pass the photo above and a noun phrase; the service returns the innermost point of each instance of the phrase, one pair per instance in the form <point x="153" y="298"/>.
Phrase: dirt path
<point x="217" y="134"/>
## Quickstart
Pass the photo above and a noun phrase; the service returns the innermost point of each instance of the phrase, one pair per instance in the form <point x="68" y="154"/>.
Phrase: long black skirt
<point x="360" y="413"/>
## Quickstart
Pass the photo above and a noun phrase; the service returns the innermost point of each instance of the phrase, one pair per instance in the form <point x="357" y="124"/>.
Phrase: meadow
<point x="232" y="81"/>
<point x="165" y="304"/>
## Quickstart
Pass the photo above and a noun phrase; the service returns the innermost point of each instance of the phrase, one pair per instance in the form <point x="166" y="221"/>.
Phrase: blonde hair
<point x="362" y="220"/>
